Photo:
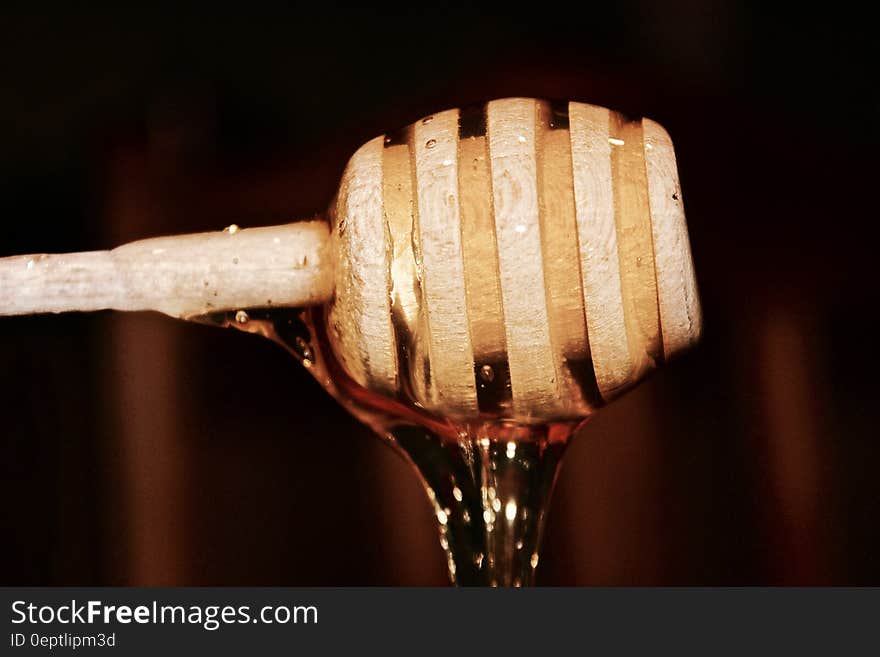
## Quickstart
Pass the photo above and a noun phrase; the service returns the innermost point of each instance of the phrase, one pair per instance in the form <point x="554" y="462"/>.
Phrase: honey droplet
<point x="304" y="351"/>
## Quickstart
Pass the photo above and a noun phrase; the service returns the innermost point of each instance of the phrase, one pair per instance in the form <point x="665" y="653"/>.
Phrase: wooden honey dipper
<point x="526" y="259"/>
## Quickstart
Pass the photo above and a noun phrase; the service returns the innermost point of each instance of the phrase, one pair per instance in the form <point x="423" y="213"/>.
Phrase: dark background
<point x="140" y="450"/>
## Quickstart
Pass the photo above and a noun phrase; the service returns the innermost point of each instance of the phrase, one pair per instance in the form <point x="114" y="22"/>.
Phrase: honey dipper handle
<point x="181" y="276"/>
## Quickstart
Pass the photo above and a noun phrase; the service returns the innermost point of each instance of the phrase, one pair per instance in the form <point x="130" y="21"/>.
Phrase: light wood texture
<point x="405" y="292"/>
<point x="442" y="264"/>
<point x="576" y="380"/>
<point x="181" y="276"/>
<point x="360" y="312"/>
<point x="511" y="131"/>
<point x="632" y="216"/>
<point x="550" y="273"/>
<point x="680" y="314"/>
<point x="482" y="283"/>
<point x="597" y="233"/>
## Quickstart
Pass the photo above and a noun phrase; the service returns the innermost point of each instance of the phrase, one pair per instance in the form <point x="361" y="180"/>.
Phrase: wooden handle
<point x="523" y="259"/>
<point x="182" y="276"/>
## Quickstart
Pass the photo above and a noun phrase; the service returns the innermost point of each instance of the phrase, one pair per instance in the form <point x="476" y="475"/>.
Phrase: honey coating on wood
<point x="530" y="270"/>
<point x="632" y="215"/>
<point x="578" y="392"/>
<point x="485" y="311"/>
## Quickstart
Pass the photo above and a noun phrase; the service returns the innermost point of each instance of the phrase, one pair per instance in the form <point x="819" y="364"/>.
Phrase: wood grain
<point x="435" y="143"/>
<point x="597" y="238"/>
<point x="182" y="275"/>
<point x="511" y="129"/>
<point x="632" y="216"/>
<point x="360" y="313"/>
<point x="482" y="282"/>
<point x="576" y="381"/>
<point x="399" y="199"/>
<point x="680" y="313"/>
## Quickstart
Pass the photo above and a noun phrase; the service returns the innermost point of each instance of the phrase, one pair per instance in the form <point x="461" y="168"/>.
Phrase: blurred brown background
<point x="140" y="450"/>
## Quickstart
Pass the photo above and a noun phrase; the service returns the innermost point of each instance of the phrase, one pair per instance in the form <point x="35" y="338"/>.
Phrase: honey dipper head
<point x="523" y="259"/>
